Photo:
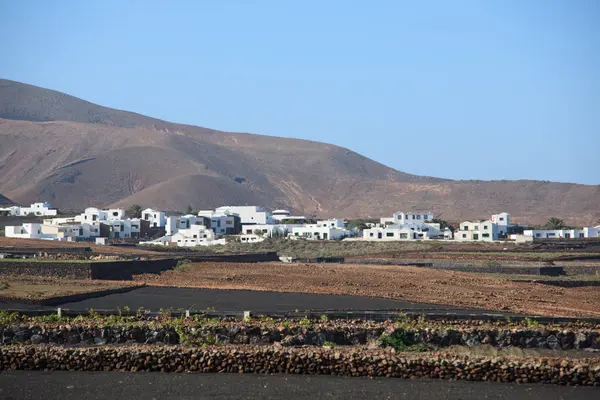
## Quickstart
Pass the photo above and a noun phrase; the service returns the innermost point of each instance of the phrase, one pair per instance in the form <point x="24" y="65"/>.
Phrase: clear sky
<point x="464" y="89"/>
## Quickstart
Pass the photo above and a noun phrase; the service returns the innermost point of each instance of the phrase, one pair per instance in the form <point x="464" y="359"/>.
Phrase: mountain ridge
<point x="73" y="153"/>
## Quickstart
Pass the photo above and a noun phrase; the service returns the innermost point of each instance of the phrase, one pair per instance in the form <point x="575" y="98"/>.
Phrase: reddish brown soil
<point x="407" y="283"/>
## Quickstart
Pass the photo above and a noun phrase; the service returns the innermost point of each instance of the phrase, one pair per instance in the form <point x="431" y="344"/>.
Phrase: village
<point x="252" y="224"/>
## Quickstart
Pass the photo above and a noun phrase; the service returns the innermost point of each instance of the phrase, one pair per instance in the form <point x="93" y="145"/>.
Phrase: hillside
<point x="6" y="202"/>
<point x="73" y="153"/>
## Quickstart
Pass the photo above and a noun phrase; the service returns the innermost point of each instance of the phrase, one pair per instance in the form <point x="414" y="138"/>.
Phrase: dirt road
<point x="406" y="283"/>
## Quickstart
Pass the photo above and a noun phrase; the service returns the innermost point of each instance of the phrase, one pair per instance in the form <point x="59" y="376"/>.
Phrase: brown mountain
<point x="6" y="202"/>
<point x="72" y="153"/>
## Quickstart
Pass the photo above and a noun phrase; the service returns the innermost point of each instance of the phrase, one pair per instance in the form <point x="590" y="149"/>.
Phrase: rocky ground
<point x="396" y="282"/>
<point x="310" y="360"/>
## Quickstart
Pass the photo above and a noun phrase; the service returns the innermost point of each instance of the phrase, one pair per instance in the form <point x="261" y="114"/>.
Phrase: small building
<point x="175" y="223"/>
<point x="156" y="219"/>
<point x="36" y="209"/>
<point x="251" y="238"/>
<point x="222" y="222"/>
<point x="285" y="215"/>
<point x="247" y="214"/>
<point x="503" y="222"/>
<point x="269" y="230"/>
<point x="482" y="231"/>
<point x="316" y="232"/>
<point x="25" y="231"/>
<point x="556" y="233"/>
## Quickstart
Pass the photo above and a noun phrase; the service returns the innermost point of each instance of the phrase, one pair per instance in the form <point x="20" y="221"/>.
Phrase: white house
<point x="175" y="223"/>
<point x="197" y="235"/>
<point x="156" y="219"/>
<point x="402" y="218"/>
<point x="123" y="229"/>
<point x="25" y="231"/>
<point x="37" y="209"/>
<point x="316" y="232"/>
<point x="503" y="222"/>
<point x="269" y="230"/>
<point x="587" y="232"/>
<point x="222" y="222"/>
<point x="483" y="231"/>
<point x="93" y="214"/>
<point x="280" y="215"/>
<point x="247" y="214"/>
<point x="405" y="226"/>
<point x="332" y="223"/>
<point x="11" y="211"/>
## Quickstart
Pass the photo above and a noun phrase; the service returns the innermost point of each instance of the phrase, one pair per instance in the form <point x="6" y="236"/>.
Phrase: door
<point x="324" y="236"/>
<point x="476" y="236"/>
<point x="379" y="235"/>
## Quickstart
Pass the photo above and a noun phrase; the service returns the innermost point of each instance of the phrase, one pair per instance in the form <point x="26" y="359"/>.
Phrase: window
<point x="485" y="235"/>
<point x="195" y="236"/>
<point x="413" y="217"/>
<point x="418" y="216"/>
<point x="538" y="235"/>
<point x="248" y="231"/>
<point x="465" y="228"/>
<point x="115" y="213"/>
<point x="404" y="236"/>
<point x="464" y="235"/>
<point x="485" y="227"/>
<point x="371" y="234"/>
<point x="501" y="218"/>
<point x="476" y="227"/>
<point x="228" y="222"/>
<point x="389" y="234"/>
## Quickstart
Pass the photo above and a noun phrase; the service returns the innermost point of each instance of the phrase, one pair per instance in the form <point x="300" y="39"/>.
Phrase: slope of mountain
<point x="72" y="153"/>
<point x="6" y="202"/>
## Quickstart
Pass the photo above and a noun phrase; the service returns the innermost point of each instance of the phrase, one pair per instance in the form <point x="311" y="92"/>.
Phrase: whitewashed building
<point x="586" y="232"/>
<point x="482" y="231"/>
<point x="247" y="214"/>
<point x="503" y="222"/>
<point x="332" y="223"/>
<point x="281" y="215"/>
<point x="93" y="214"/>
<point x="175" y="223"/>
<point x="269" y="230"/>
<point x="404" y="226"/>
<point x="316" y="232"/>
<point x="156" y="219"/>
<point x="25" y="231"/>
<point x="36" y="209"/>
<point x="222" y="222"/>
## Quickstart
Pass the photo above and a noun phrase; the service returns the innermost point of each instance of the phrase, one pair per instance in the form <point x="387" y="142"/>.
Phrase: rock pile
<point x="312" y="361"/>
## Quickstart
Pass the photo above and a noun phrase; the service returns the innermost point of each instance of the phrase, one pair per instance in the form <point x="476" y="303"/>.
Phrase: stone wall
<point x="75" y="270"/>
<point x="113" y="270"/>
<point x="311" y="361"/>
<point x="318" y="335"/>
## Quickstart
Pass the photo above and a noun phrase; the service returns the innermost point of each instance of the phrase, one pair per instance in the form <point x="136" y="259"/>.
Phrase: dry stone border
<point x="311" y="361"/>
<point x="343" y="333"/>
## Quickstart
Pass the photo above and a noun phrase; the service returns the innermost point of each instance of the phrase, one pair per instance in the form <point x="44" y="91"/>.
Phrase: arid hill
<point x="74" y="154"/>
<point x="5" y="202"/>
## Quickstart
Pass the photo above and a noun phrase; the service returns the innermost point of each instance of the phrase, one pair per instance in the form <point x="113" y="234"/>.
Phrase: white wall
<point x="315" y="232"/>
<point x="247" y="214"/>
<point x="481" y="231"/>
<point x="156" y="219"/>
<point x="555" y="233"/>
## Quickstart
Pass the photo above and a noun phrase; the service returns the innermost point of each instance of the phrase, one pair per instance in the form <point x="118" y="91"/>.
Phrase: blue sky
<point x="464" y="89"/>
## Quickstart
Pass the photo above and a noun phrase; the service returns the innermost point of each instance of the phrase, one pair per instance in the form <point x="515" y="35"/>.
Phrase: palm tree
<point x="555" y="223"/>
<point x="135" y="211"/>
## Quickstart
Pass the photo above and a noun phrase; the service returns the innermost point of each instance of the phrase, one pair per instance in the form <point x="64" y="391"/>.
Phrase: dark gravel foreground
<point x="103" y="385"/>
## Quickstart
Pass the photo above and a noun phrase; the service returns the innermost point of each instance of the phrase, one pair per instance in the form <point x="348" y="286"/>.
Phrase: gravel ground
<point x="414" y="284"/>
<point x="102" y="385"/>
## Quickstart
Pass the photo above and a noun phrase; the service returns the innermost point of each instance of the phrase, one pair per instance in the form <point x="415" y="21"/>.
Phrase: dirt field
<point x="406" y="283"/>
<point x="34" y="288"/>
